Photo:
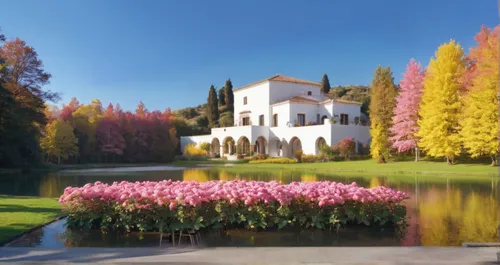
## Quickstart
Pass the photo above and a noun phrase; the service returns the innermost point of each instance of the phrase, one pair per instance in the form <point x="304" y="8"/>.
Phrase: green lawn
<point x="19" y="214"/>
<point x="371" y="166"/>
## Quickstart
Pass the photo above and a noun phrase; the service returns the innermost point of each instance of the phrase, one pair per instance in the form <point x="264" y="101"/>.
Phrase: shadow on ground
<point x="82" y="255"/>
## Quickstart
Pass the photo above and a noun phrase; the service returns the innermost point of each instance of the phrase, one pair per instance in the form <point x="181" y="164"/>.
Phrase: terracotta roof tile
<point x="299" y="99"/>
<point x="281" y="78"/>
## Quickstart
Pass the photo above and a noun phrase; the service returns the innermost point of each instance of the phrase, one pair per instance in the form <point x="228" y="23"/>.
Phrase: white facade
<point x="280" y="115"/>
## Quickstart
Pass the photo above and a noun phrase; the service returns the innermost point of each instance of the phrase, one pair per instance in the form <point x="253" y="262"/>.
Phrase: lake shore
<point x="404" y="168"/>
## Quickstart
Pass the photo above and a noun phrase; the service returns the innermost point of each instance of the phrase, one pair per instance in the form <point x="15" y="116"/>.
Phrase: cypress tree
<point x="383" y="100"/>
<point x="229" y="97"/>
<point x="212" y="107"/>
<point x="222" y="97"/>
<point x="325" y="84"/>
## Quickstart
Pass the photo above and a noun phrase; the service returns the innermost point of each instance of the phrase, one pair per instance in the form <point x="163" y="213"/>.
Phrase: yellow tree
<point x="479" y="123"/>
<point x="59" y="140"/>
<point x="440" y="107"/>
<point x="383" y="100"/>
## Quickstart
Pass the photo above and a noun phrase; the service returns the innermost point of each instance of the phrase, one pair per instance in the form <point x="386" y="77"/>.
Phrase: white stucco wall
<point x="357" y="132"/>
<point x="257" y="103"/>
<point x="281" y="91"/>
<point x="352" y="110"/>
<point x="310" y="110"/>
<point x="283" y="111"/>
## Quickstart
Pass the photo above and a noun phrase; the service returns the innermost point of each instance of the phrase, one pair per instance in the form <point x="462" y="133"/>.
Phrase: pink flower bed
<point x="217" y="199"/>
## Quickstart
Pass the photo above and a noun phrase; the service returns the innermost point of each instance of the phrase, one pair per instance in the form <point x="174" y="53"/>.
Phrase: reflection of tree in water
<point x="50" y="186"/>
<point x="447" y="218"/>
<point x="195" y="174"/>
<point x="308" y="178"/>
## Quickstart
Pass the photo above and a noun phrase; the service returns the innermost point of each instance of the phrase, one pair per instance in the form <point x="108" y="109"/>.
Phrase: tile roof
<point x="299" y="99"/>
<point x="281" y="78"/>
<point x="342" y="101"/>
<point x="312" y="100"/>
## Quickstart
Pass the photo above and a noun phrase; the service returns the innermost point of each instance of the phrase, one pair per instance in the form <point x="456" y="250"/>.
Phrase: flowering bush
<point x="274" y="160"/>
<point x="165" y="205"/>
<point x="191" y="151"/>
<point x="347" y="147"/>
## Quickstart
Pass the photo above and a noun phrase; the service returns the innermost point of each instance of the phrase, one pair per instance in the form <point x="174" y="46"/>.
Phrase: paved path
<point x="271" y="255"/>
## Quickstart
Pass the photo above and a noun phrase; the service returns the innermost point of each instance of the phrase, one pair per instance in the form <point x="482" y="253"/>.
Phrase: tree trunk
<point x="417" y="154"/>
<point x="448" y="160"/>
<point x="494" y="161"/>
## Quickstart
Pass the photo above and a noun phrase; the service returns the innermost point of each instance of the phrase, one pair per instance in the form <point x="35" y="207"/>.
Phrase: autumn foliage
<point x="112" y="135"/>
<point x="405" y="117"/>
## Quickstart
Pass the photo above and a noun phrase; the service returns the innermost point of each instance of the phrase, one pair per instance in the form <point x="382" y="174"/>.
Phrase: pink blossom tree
<point x="405" y="117"/>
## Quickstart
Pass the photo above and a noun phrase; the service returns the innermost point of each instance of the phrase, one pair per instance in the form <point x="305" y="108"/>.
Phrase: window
<point x="323" y="119"/>
<point x="275" y="120"/>
<point x="309" y="93"/>
<point x="244" y="100"/>
<point x="317" y="119"/>
<point x="301" y="119"/>
<point x="261" y="120"/>
<point x="246" y="121"/>
<point x="344" y="119"/>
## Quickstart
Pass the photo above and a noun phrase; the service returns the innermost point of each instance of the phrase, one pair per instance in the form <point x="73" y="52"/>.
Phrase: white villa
<point x="279" y="115"/>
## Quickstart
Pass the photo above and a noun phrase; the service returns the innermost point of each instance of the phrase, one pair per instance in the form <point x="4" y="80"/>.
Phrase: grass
<point x="19" y="214"/>
<point x="372" y="167"/>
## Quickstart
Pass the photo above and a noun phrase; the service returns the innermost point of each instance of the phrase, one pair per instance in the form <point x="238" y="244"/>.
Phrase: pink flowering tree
<point x="406" y="111"/>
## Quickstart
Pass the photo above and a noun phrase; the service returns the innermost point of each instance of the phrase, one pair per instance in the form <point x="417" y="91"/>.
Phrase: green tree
<point x="222" y="97"/>
<point x="383" y="100"/>
<point x="212" y="107"/>
<point x="229" y="97"/>
<point x="325" y="84"/>
<point x="440" y="107"/>
<point x="59" y="140"/>
<point x="24" y="76"/>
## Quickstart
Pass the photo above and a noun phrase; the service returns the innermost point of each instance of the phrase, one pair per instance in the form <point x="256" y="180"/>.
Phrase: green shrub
<point x="205" y="147"/>
<point x="298" y="155"/>
<point x="275" y="160"/>
<point x="259" y="157"/>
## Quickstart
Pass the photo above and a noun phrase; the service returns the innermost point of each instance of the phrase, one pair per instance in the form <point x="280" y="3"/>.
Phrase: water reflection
<point x="441" y="212"/>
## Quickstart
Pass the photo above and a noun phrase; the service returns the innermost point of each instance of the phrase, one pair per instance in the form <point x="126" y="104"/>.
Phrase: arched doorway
<point x="295" y="145"/>
<point x="319" y="143"/>
<point x="215" y="148"/>
<point x="261" y="144"/>
<point x="243" y="146"/>
<point x="228" y="146"/>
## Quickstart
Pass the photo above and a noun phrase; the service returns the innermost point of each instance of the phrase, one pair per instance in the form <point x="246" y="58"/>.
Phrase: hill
<point x="357" y="93"/>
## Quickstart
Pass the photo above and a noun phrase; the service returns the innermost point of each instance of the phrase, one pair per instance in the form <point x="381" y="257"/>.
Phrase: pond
<point x="441" y="211"/>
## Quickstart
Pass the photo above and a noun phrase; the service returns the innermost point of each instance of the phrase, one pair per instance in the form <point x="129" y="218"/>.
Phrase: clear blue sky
<point x="167" y="53"/>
